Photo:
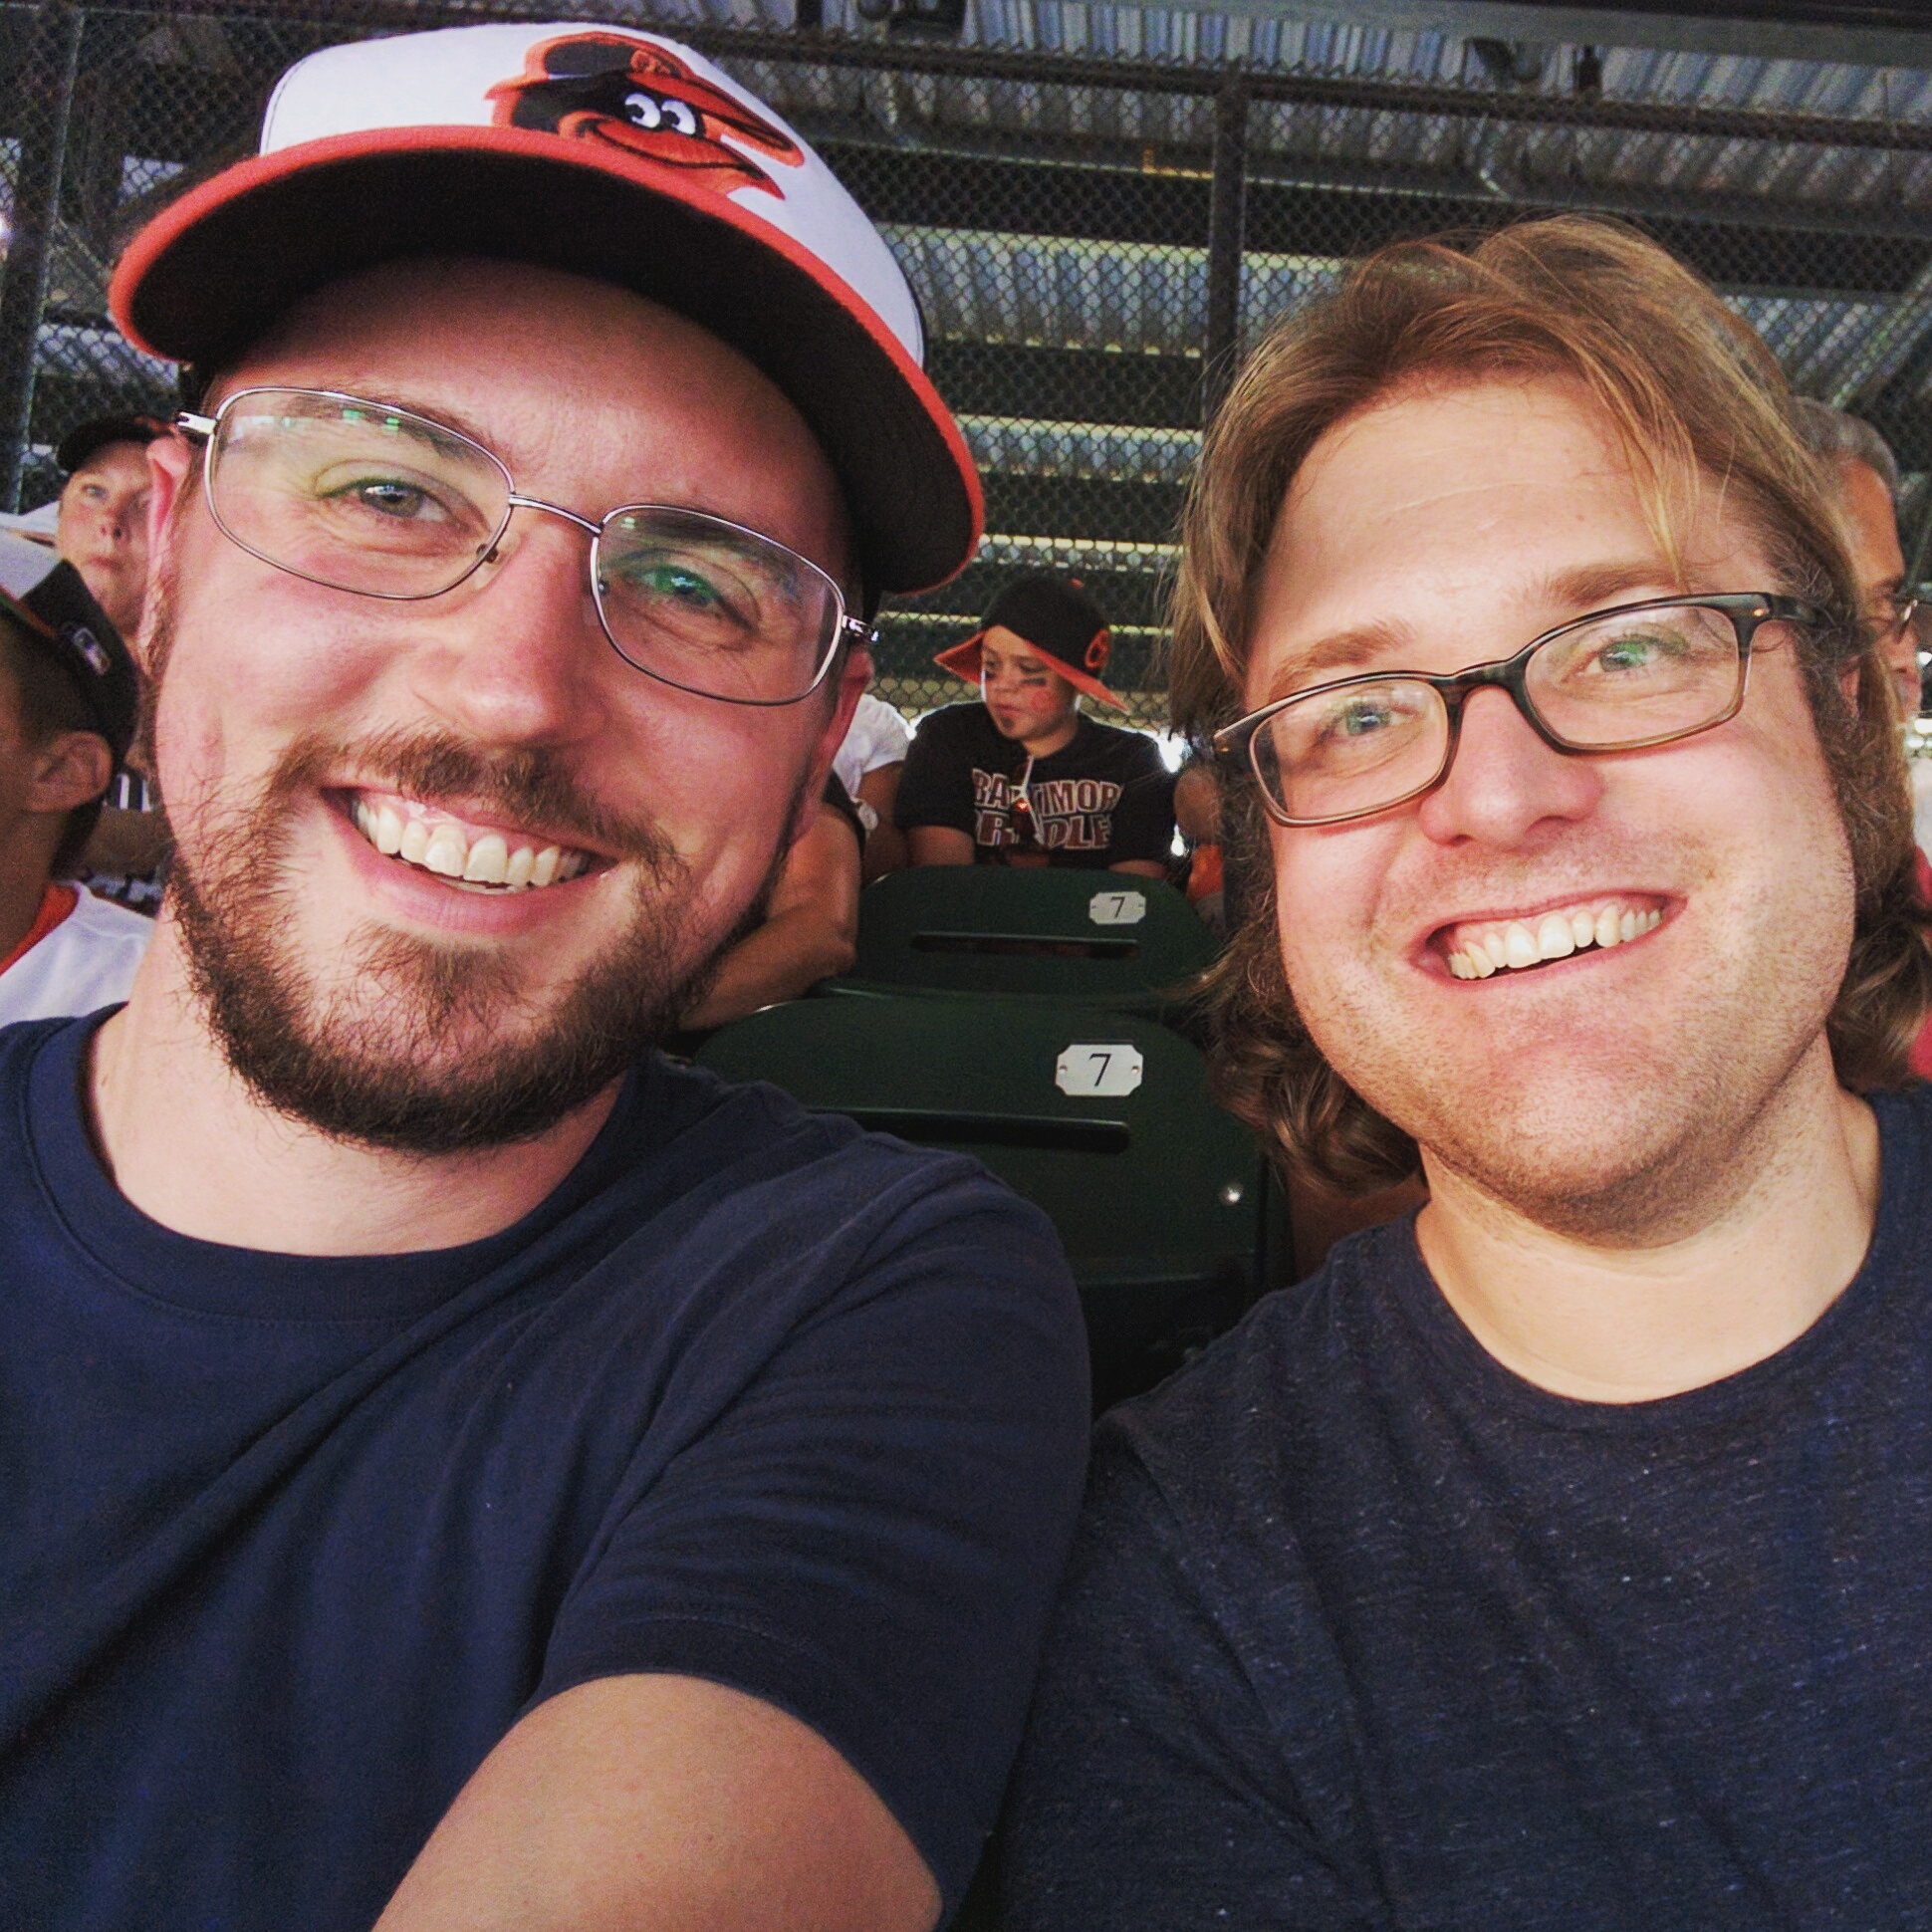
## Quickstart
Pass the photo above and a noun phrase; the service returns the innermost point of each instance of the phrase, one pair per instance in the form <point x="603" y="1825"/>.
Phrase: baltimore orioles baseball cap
<point x="49" y="606"/>
<point x="1058" y="619"/>
<point x="605" y="152"/>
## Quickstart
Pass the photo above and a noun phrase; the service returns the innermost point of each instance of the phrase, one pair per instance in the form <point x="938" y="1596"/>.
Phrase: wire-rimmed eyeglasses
<point x="369" y="498"/>
<point x="1618" y="679"/>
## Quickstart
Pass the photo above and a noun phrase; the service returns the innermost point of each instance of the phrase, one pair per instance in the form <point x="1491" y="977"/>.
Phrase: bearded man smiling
<point x="462" y="1467"/>
<point x="1554" y="1557"/>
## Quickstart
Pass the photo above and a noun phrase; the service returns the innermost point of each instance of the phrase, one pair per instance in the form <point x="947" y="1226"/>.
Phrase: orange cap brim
<point x="963" y="660"/>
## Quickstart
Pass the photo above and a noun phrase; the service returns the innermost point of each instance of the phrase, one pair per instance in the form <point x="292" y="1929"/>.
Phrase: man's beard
<point x="368" y="1056"/>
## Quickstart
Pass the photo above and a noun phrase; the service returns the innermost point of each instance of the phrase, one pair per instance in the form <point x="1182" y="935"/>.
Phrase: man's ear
<point x="72" y="768"/>
<point x="170" y="460"/>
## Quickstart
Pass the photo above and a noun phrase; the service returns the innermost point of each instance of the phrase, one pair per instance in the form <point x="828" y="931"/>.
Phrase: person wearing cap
<point x="1025" y="778"/>
<point x="67" y="713"/>
<point x="465" y="1468"/>
<point x="103" y="524"/>
<point x="101" y="529"/>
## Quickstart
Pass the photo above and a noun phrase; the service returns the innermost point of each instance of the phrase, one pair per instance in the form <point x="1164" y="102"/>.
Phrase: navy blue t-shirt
<point x="287" y="1544"/>
<point x="1363" y="1631"/>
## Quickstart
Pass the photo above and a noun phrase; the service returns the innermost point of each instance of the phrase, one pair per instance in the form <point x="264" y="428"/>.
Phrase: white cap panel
<point x="646" y="103"/>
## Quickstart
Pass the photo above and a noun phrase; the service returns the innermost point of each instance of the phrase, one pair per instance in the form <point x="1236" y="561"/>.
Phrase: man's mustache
<point x="531" y="785"/>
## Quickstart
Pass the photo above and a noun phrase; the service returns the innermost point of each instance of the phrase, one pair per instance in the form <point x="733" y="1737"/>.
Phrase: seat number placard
<point x="1118" y="908"/>
<point x="1105" y="1071"/>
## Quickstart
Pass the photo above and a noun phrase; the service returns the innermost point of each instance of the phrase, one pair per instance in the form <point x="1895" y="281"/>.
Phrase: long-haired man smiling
<point x="463" y="1468"/>
<point x="1554" y="1557"/>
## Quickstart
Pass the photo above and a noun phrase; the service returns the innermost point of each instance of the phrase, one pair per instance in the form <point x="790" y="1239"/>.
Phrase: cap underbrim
<point x="963" y="660"/>
<point x="214" y="269"/>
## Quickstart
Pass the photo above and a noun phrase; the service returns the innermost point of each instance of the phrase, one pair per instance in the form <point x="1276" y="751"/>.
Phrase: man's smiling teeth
<point x="1516" y="943"/>
<point x="438" y="846"/>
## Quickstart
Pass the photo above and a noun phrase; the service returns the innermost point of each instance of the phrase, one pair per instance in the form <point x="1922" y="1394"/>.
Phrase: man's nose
<point x="1505" y="782"/>
<point x="511" y="659"/>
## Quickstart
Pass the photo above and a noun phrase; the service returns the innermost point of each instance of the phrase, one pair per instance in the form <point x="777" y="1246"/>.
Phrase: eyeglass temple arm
<point x="190" y="424"/>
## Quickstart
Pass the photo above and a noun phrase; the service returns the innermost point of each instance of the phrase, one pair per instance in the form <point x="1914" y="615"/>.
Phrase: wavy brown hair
<point x="1698" y="403"/>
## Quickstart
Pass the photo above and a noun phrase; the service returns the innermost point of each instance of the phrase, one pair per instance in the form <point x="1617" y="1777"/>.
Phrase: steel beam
<point x="48" y="89"/>
<point x="1226" y="220"/>
<point x="1157" y="77"/>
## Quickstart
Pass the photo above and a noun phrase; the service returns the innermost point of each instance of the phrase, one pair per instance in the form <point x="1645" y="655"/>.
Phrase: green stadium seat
<point x="1101" y="1118"/>
<point x="1107" y="939"/>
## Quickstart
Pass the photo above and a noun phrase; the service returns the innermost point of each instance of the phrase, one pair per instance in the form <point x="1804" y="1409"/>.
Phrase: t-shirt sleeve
<point x="884" y="738"/>
<point x="1150" y="1792"/>
<point x="1143" y="818"/>
<point x="868" y="1534"/>
<point x="936" y="786"/>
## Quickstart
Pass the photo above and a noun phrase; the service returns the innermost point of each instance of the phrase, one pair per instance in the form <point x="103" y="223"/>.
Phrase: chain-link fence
<point x="1092" y="237"/>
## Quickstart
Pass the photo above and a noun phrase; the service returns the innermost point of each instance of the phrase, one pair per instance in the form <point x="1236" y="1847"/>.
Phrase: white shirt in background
<point x="877" y="736"/>
<point x="85" y="962"/>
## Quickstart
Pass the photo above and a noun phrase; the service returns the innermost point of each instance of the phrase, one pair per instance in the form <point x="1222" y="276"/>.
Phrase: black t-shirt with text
<point x="1101" y="798"/>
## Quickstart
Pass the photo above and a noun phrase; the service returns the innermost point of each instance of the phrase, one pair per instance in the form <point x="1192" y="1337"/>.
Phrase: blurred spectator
<point x="67" y="713"/>
<point x="1197" y="811"/>
<point x="102" y="527"/>
<point x="1867" y="473"/>
<point x="1861" y="463"/>
<point x="1024" y="779"/>
<point x="811" y="927"/>
<point x="102" y="533"/>
<point x="869" y="765"/>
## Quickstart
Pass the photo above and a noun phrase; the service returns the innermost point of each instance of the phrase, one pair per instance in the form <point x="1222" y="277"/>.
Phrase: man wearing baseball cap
<point x="463" y="1467"/>
<point x="103" y="526"/>
<point x="101" y="529"/>
<point x="1023" y="778"/>
<point x="67" y="713"/>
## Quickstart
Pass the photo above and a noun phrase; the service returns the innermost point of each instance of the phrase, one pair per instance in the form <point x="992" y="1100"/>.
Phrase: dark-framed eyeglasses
<point x="369" y="498"/>
<point x="1895" y="613"/>
<point x="1618" y="679"/>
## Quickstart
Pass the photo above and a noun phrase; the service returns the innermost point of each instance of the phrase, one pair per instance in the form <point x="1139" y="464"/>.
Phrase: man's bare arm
<point x="941" y="846"/>
<point x="810" y="932"/>
<point x="886" y="849"/>
<point x="663" y="1804"/>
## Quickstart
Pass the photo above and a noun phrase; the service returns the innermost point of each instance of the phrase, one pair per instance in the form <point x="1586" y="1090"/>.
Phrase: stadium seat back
<point x="1100" y="1119"/>
<point x="1103" y="938"/>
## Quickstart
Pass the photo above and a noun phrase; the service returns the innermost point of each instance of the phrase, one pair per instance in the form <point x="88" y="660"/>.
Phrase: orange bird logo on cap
<point x="610" y="88"/>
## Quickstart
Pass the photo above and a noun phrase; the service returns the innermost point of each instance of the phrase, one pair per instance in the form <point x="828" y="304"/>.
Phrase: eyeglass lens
<point x="1629" y="679"/>
<point x="385" y="503"/>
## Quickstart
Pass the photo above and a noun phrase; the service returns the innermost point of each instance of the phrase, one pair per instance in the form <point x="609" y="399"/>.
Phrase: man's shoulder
<point x="1905" y="1122"/>
<point x="1294" y="1379"/>
<point x="101" y="919"/>
<point x="955" y="728"/>
<point x="106" y="940"/>
<point x="1119" y="746"/>
<point x="746" y="1155"/>
<point x="878" y="734"/>
<point x="85" y="962"/>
